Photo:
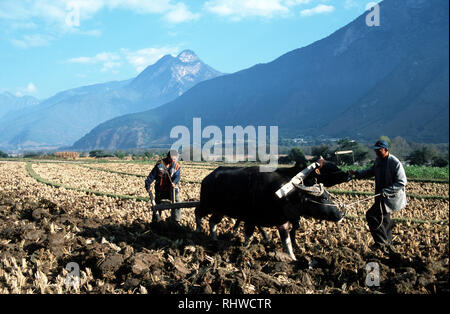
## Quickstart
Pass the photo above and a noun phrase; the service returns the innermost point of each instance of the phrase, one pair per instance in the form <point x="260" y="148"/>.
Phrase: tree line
<point x="420" y="154"/>
<point x="416" y="154"/>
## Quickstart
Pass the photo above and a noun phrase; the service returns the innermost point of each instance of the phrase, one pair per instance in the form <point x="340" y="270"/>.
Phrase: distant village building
<point x="67" y="155"/>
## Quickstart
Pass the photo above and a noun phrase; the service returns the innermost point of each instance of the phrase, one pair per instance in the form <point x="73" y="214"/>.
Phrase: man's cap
<point x="381" y="144"/>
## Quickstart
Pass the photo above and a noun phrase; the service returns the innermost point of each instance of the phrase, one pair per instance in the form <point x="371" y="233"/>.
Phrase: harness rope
<point x="344" y="206"/>
<point x="340" y="205"/>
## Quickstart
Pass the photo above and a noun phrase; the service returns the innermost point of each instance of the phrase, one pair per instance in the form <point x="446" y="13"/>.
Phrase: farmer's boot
<point x="156" y="216"/>
<point x="176" y="213"/>
<point x="176" y="216"/>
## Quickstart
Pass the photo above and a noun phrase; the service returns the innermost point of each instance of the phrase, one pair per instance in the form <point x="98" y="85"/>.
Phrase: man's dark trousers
<point x="380" y="223"/>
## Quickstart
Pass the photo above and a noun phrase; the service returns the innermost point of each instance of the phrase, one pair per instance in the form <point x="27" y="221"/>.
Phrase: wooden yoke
<point x="298" y="179"/>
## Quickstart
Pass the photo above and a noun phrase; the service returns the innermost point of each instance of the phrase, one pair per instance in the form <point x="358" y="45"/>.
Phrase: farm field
<point x="96" y="214"/>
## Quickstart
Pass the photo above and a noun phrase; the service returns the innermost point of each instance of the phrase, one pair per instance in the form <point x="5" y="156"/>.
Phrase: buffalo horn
<point x="316" y="189"/>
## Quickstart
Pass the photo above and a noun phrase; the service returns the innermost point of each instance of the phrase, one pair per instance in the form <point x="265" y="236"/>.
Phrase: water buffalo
<point x="329" y="174"/>
<point x="248" y="195"/>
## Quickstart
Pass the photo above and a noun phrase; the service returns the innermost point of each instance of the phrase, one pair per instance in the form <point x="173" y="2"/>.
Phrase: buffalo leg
<point x="285" y="238"/>
<point x="264" y="233"/>
<point x="236" y="227"/>
<point x="248" y="232"/>
<point x="198" y="219"/>
<point x="261" y="230"/>
<point x="295" y="226"/>
<point x="213" y="221"/>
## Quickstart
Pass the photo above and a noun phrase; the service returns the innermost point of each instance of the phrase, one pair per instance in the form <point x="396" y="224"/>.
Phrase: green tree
<point x="419" y="156"/>
<point x="284" y="160"/>
<point x="360" y="152"/>
<point x="31" y="155"/>
<point x="96" y="153"/>
<point x="296" y="154"/>
<point x="400" y="147"/>
<point x="438" y="161"/>
<point x="148" y="155"/>
<point x="120" y="154"/>
<point x="433" y="149"/>
<point x="321" y="150"/>
<point x="99" y="153"/>
<point x="346" y="144"/>
<point x="3" y="155"/>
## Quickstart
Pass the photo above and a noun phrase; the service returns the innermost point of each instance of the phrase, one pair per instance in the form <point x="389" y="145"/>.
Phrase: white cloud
<point x="91" y="32"/>
<point x="180" y="13"/>
<point x="35" y="40"/>
<point x="238" y="9"/>
<point x="55" y="12"/>
<point x="139" y="59"/>
<point x="56" y="18"/>
<point x="98" y="58"/>
<point x="110" y="61"/>
<point x="22" y="25"/>
<point x="82" y="60"/>
<point x="296" y="2"/>
<point x="350" y="4"/>
<point x="320" y="9"/>
<point x="30" y="89"/>
<point x="153" y="6"/>
<point x="142" y="58"/>
<point x="243" y="8"/>
<point x="110" y="66"/>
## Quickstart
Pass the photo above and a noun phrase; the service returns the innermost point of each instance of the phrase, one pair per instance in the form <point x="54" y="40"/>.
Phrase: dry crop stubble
<point x="42" y="228"/>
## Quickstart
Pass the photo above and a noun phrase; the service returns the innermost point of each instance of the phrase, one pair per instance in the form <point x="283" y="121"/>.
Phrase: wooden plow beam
<point x="165" y="205"/>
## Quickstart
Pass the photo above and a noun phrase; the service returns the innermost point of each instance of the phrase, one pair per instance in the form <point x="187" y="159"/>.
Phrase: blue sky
<point x="47" y="46"/>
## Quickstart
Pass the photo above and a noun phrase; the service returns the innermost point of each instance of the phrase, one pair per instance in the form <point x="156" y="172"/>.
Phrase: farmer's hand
<point x="385" y="193"/>
<point x="174" y="185"/>
<point x="352" y="173"/>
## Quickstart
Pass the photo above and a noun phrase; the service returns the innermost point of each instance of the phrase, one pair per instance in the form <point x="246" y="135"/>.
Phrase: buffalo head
<point x="328" y="174"/>
<point x="316" y="202"/>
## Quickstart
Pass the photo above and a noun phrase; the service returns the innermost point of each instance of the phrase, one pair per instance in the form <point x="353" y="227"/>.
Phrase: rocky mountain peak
<point x="187" y="56"/>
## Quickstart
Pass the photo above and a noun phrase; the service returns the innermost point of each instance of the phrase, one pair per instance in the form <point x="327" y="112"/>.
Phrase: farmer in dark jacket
<point x="390" y="183"/>
<point x="166" y="174"/>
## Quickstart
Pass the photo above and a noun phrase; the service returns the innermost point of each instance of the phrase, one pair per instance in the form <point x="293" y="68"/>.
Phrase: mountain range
<point x="360" y="82"/>
<point x="64" y="118"/>
<point x="10" y="103"/>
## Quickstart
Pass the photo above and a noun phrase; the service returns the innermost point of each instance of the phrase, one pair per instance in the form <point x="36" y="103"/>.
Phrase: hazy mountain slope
<point x="325" y="88"/>
<point x="413" y="100"/>
<point x="65" y="117"/>
<point x="10" y="103"/>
